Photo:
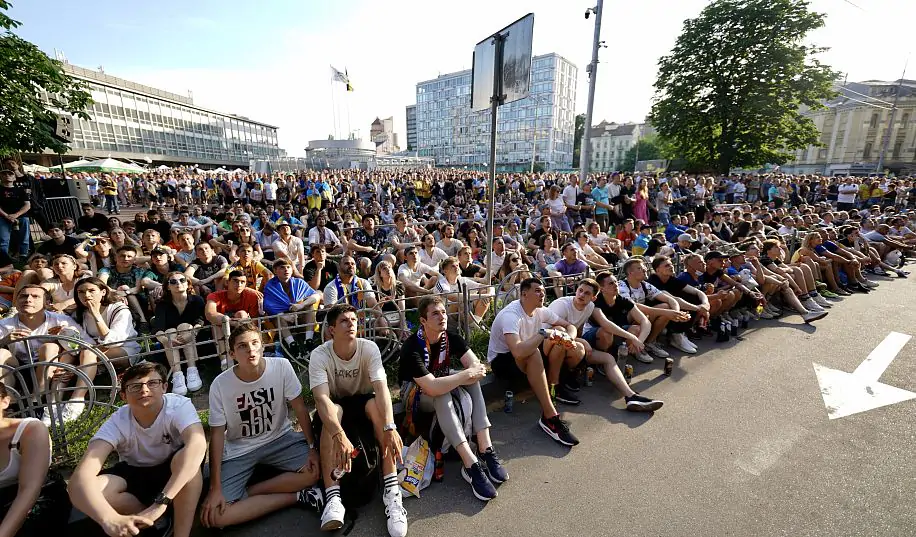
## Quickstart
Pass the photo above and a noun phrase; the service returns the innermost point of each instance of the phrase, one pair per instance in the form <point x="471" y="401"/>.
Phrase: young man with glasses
<point x="249" y="426"/>
<point x="160" y="444"/>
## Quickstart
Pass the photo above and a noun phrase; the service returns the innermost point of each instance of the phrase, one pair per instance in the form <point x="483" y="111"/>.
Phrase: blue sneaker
<point x="493" y="466"/>
<point x="483" y="489"/>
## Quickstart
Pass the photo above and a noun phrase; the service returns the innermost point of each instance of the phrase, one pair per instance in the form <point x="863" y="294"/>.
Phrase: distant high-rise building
<point x="412" y="127"/>
<point x="537" y="129"/>
<point x="382" y="134"/>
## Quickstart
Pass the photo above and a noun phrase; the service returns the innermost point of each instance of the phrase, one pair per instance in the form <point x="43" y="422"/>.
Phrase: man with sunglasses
<point x="160" y="444"/>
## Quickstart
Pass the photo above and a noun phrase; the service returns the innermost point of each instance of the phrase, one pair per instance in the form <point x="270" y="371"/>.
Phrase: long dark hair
<point x="107" y="300"/>
<point x="167" y="292"/>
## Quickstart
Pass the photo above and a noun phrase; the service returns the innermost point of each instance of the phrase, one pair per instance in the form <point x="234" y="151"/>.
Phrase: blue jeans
<point x="664" y="218"/>
<point x="111" y="203"/>
<point x="6" y="230"/>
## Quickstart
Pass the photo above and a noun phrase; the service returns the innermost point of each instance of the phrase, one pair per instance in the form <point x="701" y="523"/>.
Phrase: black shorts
<point x="144" y="482"/>
<point x="354" y="421"/>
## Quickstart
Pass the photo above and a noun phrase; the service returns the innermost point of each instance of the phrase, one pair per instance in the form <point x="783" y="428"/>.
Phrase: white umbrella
<point x="109" y="165"/>
<point x="239" y="170"/>
<point x="67" y="166"/>
<point x="221" y="170"/>
<point x="163" y="167"/>
<point x="35" y="168"/>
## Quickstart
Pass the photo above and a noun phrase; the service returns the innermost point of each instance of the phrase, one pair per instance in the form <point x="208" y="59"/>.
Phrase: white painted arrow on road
<point x="850" y="393"/>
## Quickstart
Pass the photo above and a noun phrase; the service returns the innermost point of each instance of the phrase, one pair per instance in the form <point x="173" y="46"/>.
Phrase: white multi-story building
<point x="610" y="143"/>
<point x="382" y="134"/>
<point x="852" y="131"/>
<point x="538" y="129"/>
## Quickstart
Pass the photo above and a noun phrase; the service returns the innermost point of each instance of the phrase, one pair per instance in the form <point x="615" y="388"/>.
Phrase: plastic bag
<point x="419" y="465"/>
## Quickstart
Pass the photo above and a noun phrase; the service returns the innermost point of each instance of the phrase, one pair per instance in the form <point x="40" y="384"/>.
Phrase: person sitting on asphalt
<point x="350" y="387"/>
<point x="294" y="302"/>
<point x="418" y="277"/>
<point x="851" y="238"/>
<point x="579" y="309"/>
<point x="426" y="359"/>
<point x="643" y="294"/>
<point x="514" y="353"/>
<point x="688" y="297"/>
<point x="742" y="296"/>
<point x="772" y="261"/>
<point x="160" y="444"/>
<point x="249" y="427"/>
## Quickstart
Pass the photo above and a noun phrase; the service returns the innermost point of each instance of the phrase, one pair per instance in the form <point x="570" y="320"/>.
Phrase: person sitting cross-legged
<point x="425" y="371"/>
<point x="160" y="443"/>
<point x="348" y="381"/>
<point x="295" y="302"/>
<point x="514" y="352"/>
<point x="249" y="426"/>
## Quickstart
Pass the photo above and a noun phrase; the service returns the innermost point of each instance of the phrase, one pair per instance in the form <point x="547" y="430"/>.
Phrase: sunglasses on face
<point x="176" y="281"/>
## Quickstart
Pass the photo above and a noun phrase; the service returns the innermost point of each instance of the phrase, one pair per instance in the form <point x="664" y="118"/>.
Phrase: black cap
<point x="157" y="250"/>
<point x="715" y="255"/>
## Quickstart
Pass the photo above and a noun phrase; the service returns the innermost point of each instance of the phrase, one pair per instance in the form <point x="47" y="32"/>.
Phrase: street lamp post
<point x="585" y="147"/>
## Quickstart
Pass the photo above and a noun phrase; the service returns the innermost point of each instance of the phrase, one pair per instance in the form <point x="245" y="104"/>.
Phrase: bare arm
<point x="33" y="470"/>
<point x="520" y="349"/>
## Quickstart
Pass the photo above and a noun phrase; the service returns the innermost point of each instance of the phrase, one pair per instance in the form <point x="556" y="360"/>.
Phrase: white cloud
<point x="388" y="47"/>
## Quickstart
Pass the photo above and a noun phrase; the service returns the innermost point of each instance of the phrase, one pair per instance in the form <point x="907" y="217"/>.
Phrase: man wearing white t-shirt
<point x="570" y="193"/>
<point x="579" y="309"/>
<point x="353" y="402"/>
<point x="846" y="195"/>
<point x="642" y="293"/>
<point x="160" y="444"/>
<point x="289" y="247"/>
<point x="418" y="277"/>
<point x="249" y="427"/>
<point x="514" y="352"/>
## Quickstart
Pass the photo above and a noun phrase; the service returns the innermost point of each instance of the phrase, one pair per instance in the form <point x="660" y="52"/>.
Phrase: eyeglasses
<point x="136" y="387"/>
<point x="176" y="281"/>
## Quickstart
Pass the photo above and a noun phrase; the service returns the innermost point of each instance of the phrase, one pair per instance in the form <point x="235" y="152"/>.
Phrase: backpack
<point x="359" y="486"/>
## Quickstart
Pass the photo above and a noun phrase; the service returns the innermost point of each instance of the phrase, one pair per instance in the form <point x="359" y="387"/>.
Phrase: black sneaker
<point x="563" y="395"/>
<point x="312" y="499"/>
<point x="493" y="465"/>
<point x="638" y="403"/>
<point x="483" y="489"/>
<point x="571" y="383"/>
<point x="558" y="430"/>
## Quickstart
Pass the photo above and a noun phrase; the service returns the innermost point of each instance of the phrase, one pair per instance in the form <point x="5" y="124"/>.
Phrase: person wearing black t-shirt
<point x="318" y="271"/>
<point x="14" y="205"/>
<point x="59" y="243"/>
<point x="426" y="359"/>
<point x="620" y="311"/>
<point x="155" y="221"/>
<point x="690" y="299"/>
<point x="92" y="220"/>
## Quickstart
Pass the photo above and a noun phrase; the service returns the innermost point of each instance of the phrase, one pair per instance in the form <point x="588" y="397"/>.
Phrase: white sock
<point x="391" y="482"/>
<point x="288" y="339"/>
<point x="309" y="335"/>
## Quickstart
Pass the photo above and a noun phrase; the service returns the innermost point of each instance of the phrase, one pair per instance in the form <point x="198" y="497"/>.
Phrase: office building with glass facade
<point x="537" y="129"/>
<point x="131" y="121"/>
<point x="411" y="127"/>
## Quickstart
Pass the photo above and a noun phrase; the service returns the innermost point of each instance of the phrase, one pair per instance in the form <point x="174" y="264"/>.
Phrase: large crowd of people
<point x="579" y="277"/>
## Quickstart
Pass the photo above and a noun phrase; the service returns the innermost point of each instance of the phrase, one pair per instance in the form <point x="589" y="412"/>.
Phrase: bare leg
<point x="533" y="367"/>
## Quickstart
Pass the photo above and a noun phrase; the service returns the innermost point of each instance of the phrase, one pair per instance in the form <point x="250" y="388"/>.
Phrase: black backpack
<point x="358" y="487"/>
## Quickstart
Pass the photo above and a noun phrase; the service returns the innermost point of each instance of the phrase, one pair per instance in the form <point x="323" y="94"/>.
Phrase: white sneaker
<point x="821" y="301"/>
<point x="644" y="357"/>
<point x="679" y="341"/>
<point x="332" y="518"/>
<point x="178" y="384"/>
<point x="811" y="305"/>
<point x="814" y="315"/>
<point x="72" y="409"/>
<point x="194" y="382"/>
<point x="656" y="350"/>
<point x="869" y="283"/>
<point x="397" y="515"/>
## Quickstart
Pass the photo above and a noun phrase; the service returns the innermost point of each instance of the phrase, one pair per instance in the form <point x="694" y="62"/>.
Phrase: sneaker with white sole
<point x="332" y="518"/>
<point x="811" y="305"/>
<point x="656" y="350"/>
<point x="814" y="315"/>
<point x="821" y="301"/>
<point x="481" y="486"/>
<point x="869" y="283"/>
<point x="193" y="378"/>
<point x="394" y="510"/>
<point x="72" y="410"/>
<point x="638" y="403"/>
<point x="179" y="386"/>
<point x="680" y="342"/>
<point x="644" y="357"/>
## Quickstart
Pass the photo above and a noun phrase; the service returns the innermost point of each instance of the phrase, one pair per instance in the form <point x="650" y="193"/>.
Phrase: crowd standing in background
<point x="579" y="276"/>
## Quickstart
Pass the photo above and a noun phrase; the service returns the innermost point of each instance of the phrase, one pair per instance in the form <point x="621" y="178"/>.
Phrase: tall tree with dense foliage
<point x="26" y="120"/>
<point x="577" y="139"/>
<point x="728" y="94"/>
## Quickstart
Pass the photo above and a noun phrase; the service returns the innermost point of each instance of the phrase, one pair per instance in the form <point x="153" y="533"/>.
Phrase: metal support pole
<point x="534" y="136"/>
<point x="495" y="101"/>
<point x="585" y="146"/>
<point x="60" y="158"/>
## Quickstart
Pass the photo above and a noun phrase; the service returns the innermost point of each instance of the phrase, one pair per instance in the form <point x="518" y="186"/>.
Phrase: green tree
<point x="577" y="139"/>
<point x="26" y="119"/>
<point x="730" y="91"/>
<point x="650" y="148"/>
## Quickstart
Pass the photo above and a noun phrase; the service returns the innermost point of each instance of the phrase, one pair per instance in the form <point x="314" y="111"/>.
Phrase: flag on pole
<point x="341" y="77"/>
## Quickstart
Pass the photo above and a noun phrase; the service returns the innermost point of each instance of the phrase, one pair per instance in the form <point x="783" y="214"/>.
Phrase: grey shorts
<point x="288" y="453"/>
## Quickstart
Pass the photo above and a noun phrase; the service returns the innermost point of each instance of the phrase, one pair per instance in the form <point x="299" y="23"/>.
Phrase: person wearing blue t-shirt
<point x="602" y="204"/>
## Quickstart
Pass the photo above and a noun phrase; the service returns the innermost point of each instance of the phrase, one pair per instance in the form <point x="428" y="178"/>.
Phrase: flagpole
<point x="334" y="108"/>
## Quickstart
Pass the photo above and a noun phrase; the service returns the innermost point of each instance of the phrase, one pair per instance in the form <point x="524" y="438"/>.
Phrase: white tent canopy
<point x="163" y="167"/>
<point x="239" y="170"/>
<point x="221" y="170"/>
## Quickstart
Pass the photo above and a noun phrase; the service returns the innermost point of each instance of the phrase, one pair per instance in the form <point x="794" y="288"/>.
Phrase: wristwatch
<point x="312" y="446"/>
<point x="162" y="499"/>
<point x="390" y="427"/>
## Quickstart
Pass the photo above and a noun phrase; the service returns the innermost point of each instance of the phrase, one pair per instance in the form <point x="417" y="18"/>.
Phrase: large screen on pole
<point x="516" y="64"/>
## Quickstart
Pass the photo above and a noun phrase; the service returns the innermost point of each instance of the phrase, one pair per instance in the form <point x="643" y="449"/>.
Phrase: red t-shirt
<point x="248" y="302"/>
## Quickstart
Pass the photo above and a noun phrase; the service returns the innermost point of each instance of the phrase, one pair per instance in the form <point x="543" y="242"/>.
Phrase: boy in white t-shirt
<point x="249" y="427"/>
<point x="161" y="445"/>
<point x="348" y="381"/>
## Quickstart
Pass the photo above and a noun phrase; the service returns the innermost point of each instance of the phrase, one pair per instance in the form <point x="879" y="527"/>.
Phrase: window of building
<point x="904" y="120"/>
<point x="897" y="147"/>
<point x="867" y="152"/>
<point x="874" y="121"/>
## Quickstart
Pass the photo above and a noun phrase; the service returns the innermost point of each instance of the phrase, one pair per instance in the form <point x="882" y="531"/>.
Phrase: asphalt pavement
<point x="743" y="447"/>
